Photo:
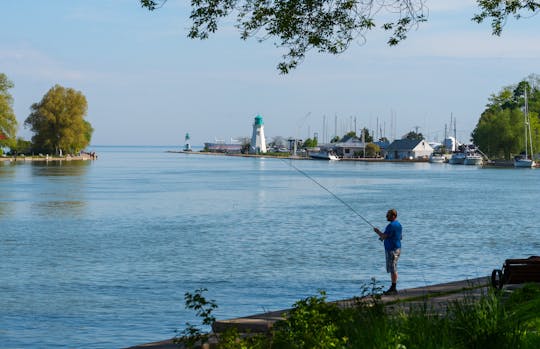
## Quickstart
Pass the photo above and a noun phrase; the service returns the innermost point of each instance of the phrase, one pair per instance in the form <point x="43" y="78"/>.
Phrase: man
<point x="392" y="247"/>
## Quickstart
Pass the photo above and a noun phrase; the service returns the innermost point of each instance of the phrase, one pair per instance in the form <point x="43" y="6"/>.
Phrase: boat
<point x="523" y="160"/>
<point x="473" y="158"/>
<point x="473" y="155"/>
<point x="437" y="158"/>
<point x="324" y="155"/>
<point x="457" y="158"/>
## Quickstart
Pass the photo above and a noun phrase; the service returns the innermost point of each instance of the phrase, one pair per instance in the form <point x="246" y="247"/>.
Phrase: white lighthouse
<point x="258" y="142"/>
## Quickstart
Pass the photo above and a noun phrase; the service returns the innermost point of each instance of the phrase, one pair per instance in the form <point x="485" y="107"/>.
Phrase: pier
<point x="434" y="297"/>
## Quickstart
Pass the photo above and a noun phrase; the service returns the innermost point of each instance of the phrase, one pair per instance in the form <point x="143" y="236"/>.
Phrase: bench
<point x="517" y="271"/>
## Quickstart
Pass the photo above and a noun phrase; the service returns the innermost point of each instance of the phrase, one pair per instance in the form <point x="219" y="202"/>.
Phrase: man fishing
<point x="392" y="247"/>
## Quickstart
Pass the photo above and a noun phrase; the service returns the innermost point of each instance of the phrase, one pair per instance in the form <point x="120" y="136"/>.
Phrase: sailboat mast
<point x="528" y="125"/>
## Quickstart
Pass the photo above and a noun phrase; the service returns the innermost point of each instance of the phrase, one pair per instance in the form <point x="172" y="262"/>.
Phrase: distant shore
<point x="291" y="157"/>
<point x="23" y="158"/>
<point x="491" y="164"/>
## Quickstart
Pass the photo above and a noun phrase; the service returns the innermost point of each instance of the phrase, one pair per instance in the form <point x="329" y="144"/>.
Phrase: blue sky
<point x="148" y="84"/>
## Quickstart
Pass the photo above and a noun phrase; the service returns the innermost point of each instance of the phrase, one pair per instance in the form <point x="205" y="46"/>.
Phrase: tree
<point x="21" y="146"/>
<point x="8" y="121"/>
<point x="367" y="137"/>
<point x="500" y="128"/>
<point x="58" y="122"/>
<point x="328" y="26"/>
<point x="499" y="11"/>
<point x="413" y="135"/>
<point x="372" y="150"/>
<point x="310" y="143"/>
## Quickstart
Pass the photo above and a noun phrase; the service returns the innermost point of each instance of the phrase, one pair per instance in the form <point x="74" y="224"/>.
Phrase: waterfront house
<point x="409" y="149"/>
<point x="349" y="147"/>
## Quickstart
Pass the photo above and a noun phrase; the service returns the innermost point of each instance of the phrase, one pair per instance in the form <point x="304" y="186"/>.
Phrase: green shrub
<point x="494" y="320"/>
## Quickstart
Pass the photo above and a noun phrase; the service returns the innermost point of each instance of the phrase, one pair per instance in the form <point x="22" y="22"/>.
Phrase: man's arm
<point x="382" y="235"/>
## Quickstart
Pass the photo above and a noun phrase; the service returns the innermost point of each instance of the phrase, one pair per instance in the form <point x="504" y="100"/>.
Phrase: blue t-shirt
<point x="393" y="241"/>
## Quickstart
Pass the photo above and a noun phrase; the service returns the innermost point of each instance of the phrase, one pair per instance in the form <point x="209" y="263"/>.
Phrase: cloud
<point x="35" y="63"/>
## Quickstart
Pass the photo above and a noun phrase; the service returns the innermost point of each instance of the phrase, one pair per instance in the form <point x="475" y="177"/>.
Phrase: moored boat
<point x="523" y="160"/>
<point x="473" y="158"/>
<point x="324" y="155"/>
<point x="457" y="158"/>
<point x="437" y="158"/>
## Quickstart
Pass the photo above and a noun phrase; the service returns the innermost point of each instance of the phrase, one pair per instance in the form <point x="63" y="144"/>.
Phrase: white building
<point x="258" y="142"/>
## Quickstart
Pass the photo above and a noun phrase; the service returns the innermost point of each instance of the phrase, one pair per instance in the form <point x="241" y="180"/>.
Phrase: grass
<point x="494" y="320"/>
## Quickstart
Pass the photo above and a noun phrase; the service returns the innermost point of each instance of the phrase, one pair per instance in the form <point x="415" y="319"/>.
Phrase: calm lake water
<point x="99" y="254"/>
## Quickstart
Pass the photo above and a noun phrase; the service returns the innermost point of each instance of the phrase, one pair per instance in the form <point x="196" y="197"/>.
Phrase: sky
<point x="146" y="83"/>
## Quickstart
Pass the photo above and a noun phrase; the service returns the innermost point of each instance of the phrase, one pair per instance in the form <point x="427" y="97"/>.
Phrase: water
<point x="99" y="254"/>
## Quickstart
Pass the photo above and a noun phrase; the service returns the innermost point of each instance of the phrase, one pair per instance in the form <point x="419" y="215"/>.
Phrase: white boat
<point x="437" y="158"/>
<point x="324" y="155"/>
<point x="524" y="160"/>
<point x="473" y="158"/>
<point x="457" y="158"/>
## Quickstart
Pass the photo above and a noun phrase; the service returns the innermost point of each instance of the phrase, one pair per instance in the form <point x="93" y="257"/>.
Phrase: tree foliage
<point x="413" y="135"/>
<point x="500" y="10"/>
<point x="500" y="128"/>
<point x="310" y="143"/>
<point x="8" y="121"/>
<point x="328" y="26"/>
<point x="367" y="137"/>
<point x="372" y="150"/>
<point x="58" y="122"/>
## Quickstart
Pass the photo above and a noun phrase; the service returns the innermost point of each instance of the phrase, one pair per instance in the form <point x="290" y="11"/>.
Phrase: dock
<point x="434" y="297"/>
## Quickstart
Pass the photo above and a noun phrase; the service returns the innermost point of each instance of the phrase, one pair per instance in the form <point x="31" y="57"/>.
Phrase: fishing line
<point x="328" y="190"/>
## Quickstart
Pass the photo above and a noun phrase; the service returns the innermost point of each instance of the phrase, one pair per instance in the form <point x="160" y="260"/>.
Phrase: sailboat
<point x="524" y="160"/>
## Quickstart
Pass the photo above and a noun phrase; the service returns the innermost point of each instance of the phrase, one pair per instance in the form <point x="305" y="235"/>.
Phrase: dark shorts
<point x="391" y="260"/>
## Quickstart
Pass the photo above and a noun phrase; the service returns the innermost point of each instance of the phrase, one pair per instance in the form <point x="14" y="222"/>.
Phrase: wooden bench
<point x="517" y="271"/>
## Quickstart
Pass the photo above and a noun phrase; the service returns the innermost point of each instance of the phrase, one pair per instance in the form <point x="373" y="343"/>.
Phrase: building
<point x="408" y="149"/>
<point x="222" y="147"/>
<point x="349" y="147"/>
<point x="258" y="142"/>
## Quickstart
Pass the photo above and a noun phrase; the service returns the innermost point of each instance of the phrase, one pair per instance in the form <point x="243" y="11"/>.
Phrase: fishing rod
<point x="331" y="193"/>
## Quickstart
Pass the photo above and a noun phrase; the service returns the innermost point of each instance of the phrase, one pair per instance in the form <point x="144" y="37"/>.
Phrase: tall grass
<point x="493" y="320"/>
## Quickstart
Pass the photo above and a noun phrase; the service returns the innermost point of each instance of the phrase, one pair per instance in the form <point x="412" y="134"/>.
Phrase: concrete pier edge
<point x="437" y="296"/>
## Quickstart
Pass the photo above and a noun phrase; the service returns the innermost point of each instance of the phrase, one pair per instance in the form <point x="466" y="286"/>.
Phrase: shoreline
<point x="489" y="164"/>
<point x="291" y="157"/>
<point x="436" y="296"/>
<point x="47" y="158"/>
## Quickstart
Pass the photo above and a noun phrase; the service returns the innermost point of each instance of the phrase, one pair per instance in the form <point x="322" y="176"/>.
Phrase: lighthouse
<point x="258" y="142"/>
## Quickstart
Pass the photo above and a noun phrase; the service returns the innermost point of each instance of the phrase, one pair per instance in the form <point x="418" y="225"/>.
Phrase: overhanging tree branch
<point x="328" y="26"/>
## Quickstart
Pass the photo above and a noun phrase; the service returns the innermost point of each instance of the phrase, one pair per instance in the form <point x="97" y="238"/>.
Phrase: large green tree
<point x="328" y="26"/>
<point x="500" y="131"/>
<point x="58" y="122"/>
<point x="8" y="121"/>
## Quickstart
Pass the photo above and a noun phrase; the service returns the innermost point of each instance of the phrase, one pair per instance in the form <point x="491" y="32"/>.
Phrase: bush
<point x="494" y="320"/>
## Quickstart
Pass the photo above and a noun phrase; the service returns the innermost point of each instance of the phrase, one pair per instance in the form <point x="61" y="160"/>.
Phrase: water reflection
<point x="63" y="187"/>
<point x="7" y="173"/>
<point x="43" y="188"/>
<point x="59" y="208"/>
<point x="60" y="168"/>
